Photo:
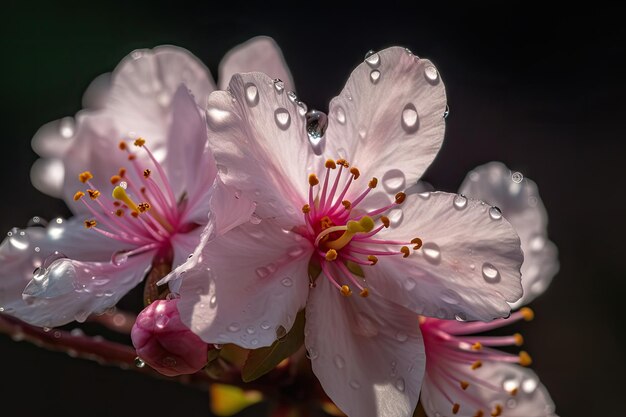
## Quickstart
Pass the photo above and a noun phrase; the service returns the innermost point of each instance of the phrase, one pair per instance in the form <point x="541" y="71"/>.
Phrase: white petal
<point x="468" y="265"/>
<point x="258" y="138"/>
<point x="47" y="175"/>
<point x="53" y="139"/>
<point x="496" y="381"/>
<point x="97" y="93"/>
<point x="388" y="120"/>
<point x="259" y="54"/>
<point x="368" y="353"/>
<point x="519" y="200"/>
<point x="240" y="287"/>
<point x="229" y="208"/>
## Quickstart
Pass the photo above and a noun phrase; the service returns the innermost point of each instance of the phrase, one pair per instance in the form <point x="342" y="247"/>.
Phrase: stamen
<point x="131" y="157"/>
<point x="417" y="242"/>
<point x="373" y="259"/>
<point x="346" y="204"/>
<point x="330" y="164"/>
<point x="464" y="385"/>
<point x="143" y="207"/>
<point x="455" y="408"/>
<point x="146" y="173"/>
<point x="115" y="179"/>
<point x="479" y="413"/>
<point x="364" y="293"/>
<point x="519" y="339"/>
<point x="90" y="223"/>
<point x="78" y="195"/>
<point x="364" y="225"/>
<point x="400" y="197"/>
<point x="525" y="359"/>
<point x="497" y="410"/>
<point x="345" y="291"/>
<point x="355" y="172"/>
<point x="85" y="176"/>
<point x="306" y="209"/>
<point x="373" y="182"/>
<point x="331" y="255"/>
<point x="120" y="194"/>
<point x="405" y="251"/>
<point x="122" y="145"/>
<point x="385" y="221"/>
<point x="527" y="313"/>
<point x="476" y="365"/>
<point x="343" y="163"/>
<point x="313" y="180"/>
<point x="122" y="172"/>
<point x="119" y="212"/>
<point x="139" y="142"/>
<point x="93" y="194"/>
<point x="477" y="346"/>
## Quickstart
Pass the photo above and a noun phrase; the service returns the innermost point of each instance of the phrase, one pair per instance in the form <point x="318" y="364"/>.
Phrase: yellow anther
<point x="355" y="172"/>
<point x="525" y="359"/>
<point x="131" y="157"/>
<point x="143" y="207"/>
<point x="405" y="251"/>
<point x="519" y="339"/>
<point x="306" y="209"/>
<point x="146" y="173"/>
<point x="313" y="180"/>
<point x="527" y="313"/>
<point x="90" y="223"/>
<point x="497" y="410"/>
<point x="331" y="255"/>
<point x="479" y="413"/>
<point x="78" y="195"/>
<point x="464" y="385"/>
<point x="343" y="163"/>
<point x="93" y="194"/>
<point x="364" y="225"/>
<point x="119" y="212"/>
<point x="455" y="408"/>
<point x="476" y="365"/>
<point x="345" y="291"/>
<point x="85" y="176"/>
<point x="140" y="142"/>
<point x="477" y="346"/>
<point x="121" y="172"/>
<point x="122" y="145"/>
<point x="400" y="197"/>
<point x="330" y="164"/>
<point x="115" y="179"/>
<point x="417" y="242"/>
<point x="373" y="259"/>
<point x="513" y="392"/>
<point x="120" y="194"/>
<point x="326" y="222"/>
<point x="373" y="182"/>
<point x="346" y="204"/>
<point x="364" y="293"/>
<point x="385" y="221"/>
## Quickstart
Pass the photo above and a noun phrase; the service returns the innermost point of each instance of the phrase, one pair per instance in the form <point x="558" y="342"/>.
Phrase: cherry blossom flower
<point x="465" y="375"/>
<point x="332" y="202"/>
<point x="146" y="205"/>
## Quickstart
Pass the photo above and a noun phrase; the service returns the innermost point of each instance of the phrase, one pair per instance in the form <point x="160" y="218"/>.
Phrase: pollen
<point x="331" y="255"/>
<point x="373" y="182"/>
<point x="405" y="251"/>
<point x="346" y="204"/>
<point x="400" y="197"/>
<point x="519" y="339"/>
<point x="90" y="223"/>
<point x="525" y="359"/>
<point x="345" y="291"/>
<point x="121" y="172"/>
<point x="513" y="392"/>
<point x="115" y="179"/>
<point x="306" y="209"/>
<point x="146" y="173"/>
<point x="143" y="207"/>
<point x="93" y="194"/>
<point x="85" y="176"/>
<point x="479" y="413"/>
<point x="497" y="410"/>
<point x="343" y="163"/>
<point x="122" y="145"/>
<point x="455" y="408"/>
<point x="476" y="365"/>
<point x="477" y="346"/>
<point x="355" y="172"/>
<point x="417" y="242"/>
<point x="131" y="157"/>
<point x="330" y="164"/>
<point x="139" y="142"/>
<point x="135" y="214"/>
<point x="385" y="221"/>
<point x="119" y="212"/>
<point x="527" y="313"/>
<point x="364" y="293"/>
<point x="373" y="259"/>
<point x="313" y="180"/>
<point x="464" y="385"/>
<point x="78" y="195"/>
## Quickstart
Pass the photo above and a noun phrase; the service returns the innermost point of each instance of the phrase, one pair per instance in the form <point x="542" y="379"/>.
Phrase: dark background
<point x="541" y="91"/>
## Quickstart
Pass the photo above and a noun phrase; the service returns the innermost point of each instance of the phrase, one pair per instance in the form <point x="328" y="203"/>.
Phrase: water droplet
<point x="124" y="184"/>
<point x="262" y="272"/>
<point x="287" y="282"/>
<point x="234" y="327"/>
<point x="36" y="221"/>
<point x="279" y="85"/>
<point x="255" y="219"/>
<point x="292" y="96"/>
<point x="400" y="384"/>
<point x="354" y="384"/>
<point x="446" y="112"/>
<point x="495" y="213"/>
<point x="425" y="195"/>
<point x="250" y="329"/>
<point x="460" y="202"/>
<point x="432" y="252"/>
<point x="316" y="124"/>
<point x="537" y="243"/>
<point x="119" y="258"/>
<point x="372" y="59"/>
<point x="281" y="332"/>
<point x="395" y="217"/>
<point x="39" y="274"/>
<point x="375" y="76"/>
<point x="282" y="118"/>
<point x="161" y="321"/>
<point x="529" y="385"/>
<point x="295" y="252"/>
<point x="450" y="296"/>
<point x="510" y="384"/>
<point x="254" y="342"/>
<point x="311" y="353"/>
<point x="394" y="181"/>
<point x="339" y="362"/>
<point x="490" y="273"/>
<point x="409" y="118"/>
<point x="139" y="363"/>
<point x="402" y="337"/>
<point x="1" y="309"/>
<point x="517" y="177"/>
<point x="67" y="127"/>
<point x="265" y="325"/>
<point x="432" y="76"/>
<point x="341" y="115"/>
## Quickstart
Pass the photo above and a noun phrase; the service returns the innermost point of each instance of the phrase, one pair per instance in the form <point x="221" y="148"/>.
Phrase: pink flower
<point x="384" y="255"/>
<point x="165" y="343"/>
<point x="465" y="375"/>
<point x="163" y="189"/>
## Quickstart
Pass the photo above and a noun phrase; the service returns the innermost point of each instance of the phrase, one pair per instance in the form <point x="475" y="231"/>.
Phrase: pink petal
<point x="242" y="286"/>
<point x="388" y="120"/>
<point x="47" y="175"/>
<point x="257" y="135"/>
<point x="259" y="54"/>
<point x="468" y="266"/>
<point x="97" y="93"/>
<point x="490" y="386"/>
<point x="368" y="353"/>
<point x="521" y="204"/>
<point x="229" y="208"/>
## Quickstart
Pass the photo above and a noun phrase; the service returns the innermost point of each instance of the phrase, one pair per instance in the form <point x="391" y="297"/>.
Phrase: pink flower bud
<point x="165" y="343"/>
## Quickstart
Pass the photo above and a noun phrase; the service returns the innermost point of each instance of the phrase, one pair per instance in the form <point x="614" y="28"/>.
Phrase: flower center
<point x="141" y="212"/>
<point x="344" y="235"/>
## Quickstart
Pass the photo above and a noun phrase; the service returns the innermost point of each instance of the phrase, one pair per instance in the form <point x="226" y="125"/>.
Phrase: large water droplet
<point x="252" y="94"/>
<point x="282" y="118"/>
<point x="400" y="384"/>
<point x="529" y="385"/>
<point x="287" y="282"/>
<point x="431" y="74"/>
<point x="302" y="108"/>
<point x="265" y="325"/>
<point x="490" y="273"/>
<point x="460" y="202"/>
<point x="372" y="59"/>
<point x="425" y="195"/>
<point x="409" y="118"/>
<point x="279" y="85"/>
<point x="432" y="253"/>
<point x="394" y="181"/>
<point x="119" y="258"/>
<point x="341" y="115"/>
<point x="517" y="177"/>
<point x="18" y="239"/>
<point x="234" y="327"/>
<point x="292" y="96"/>
<point x="316" y="124"/>
<point x="139" y="363"/>
<point x="495" y="213"/>
<point x="510" y="384"/>
<point x="339" y="362"/>
<point x="375" y="76"/>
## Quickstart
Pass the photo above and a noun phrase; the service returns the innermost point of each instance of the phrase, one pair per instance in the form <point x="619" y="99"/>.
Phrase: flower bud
<point x="165" y="343"/>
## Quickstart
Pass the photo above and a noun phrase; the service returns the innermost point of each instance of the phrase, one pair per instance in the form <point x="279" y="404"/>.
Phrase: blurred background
<point x="541" y="91"/>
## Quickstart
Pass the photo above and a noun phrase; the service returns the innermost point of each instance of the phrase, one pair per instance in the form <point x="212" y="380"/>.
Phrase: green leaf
<point x="261" y="361"/>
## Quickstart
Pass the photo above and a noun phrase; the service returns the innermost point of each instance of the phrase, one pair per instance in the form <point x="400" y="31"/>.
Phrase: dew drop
<point x="354" y="384"/>
<point x="432" y="252"/>
<point x="510" y="384"/>
<point x="292" y="96"/>
<point x="252" y="94"/>
<point x="425" y="195"/>
<point x="262" y="272"/>
<point x="36" y="221"/>
<point x="446" y="112"/>
<point x="450" y="296"/>
<point x="490" y="273"/>
<point x="511" y="403"/>
<point x="282" y="118"/>
<point x="409" y="284"/>
<point x="279" y="85"/>
<point x="312" y="354"/>
<point x="265" y="325"/>
<point x="119" y="258"/>
<point x="254" y="342"/>
<point x="460" y="316"/>
<point x="67" y="127"/>
<point x="409" y="118"/>
<point x="250" y="330"/>
<point x="375" y="76"/>
<point x="302" y="108"/>
<point x="161" y="321"/>
<point x="400" y="384"/>
<point x="394" y="181"/>
<point x="339" y="362"/>
<point x="234" y="327"/>
<point x="495" y="213"/>
<point x="287" y="282"/>
<point x="124" y="184"/>
<point x="517" y="177"/>
<point x="281" y="332"/>
<point x="372" y="59"/>
<point x="139" y="363"/>
<point x="529" y="385"/>
<point x="460" y="202"/>
<point x="316" y="124"/>
<point x="341" y="115"/>
<point x="431" y="74"/>
<point x="402" y="337"/>
<point x="395" y="217"/>
<point x="255" y="219"/>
